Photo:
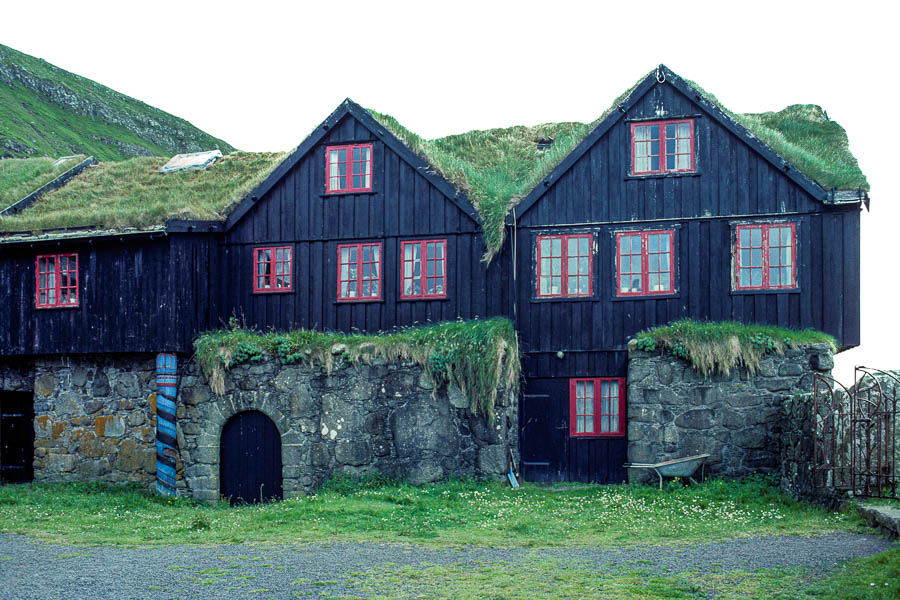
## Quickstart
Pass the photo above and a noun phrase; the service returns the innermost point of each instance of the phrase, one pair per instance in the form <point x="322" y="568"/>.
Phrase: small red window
<point x="56" y="281"/>
<point x="272" y="269"/>
<point x="662" y="147"/>
<point x="766" y="257"/>
<point x="597" y="407"/>
<point x="424" y="269"/>
<point x="348" y="168"/>
<point x="645" y="263"/>
<point x="359" y="272"/>
<point x="564" y="266"/>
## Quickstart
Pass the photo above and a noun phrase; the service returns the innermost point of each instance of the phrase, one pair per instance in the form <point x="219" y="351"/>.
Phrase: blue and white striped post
<point x="166" y="391"/>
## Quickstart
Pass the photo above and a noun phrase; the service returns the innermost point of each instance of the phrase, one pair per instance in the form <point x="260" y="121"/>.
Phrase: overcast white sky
<point x="261" y="75"/>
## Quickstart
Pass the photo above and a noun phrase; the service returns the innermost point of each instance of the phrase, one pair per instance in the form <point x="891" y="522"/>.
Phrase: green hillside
<point x="47" y="111"/>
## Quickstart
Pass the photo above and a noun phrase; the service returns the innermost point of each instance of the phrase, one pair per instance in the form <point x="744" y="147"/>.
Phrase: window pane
<point x="664" y="282"/>
<point x="756" y="257"/>
<point x="654" y="282"/>
<point x="579" y="425"/>
<point x="663" y="262"/>
<point x="670" y="130"/>
<point x="684" y="130"/>
<point x="787" y="276"/>
<point x="545" y="247"/>
<point x="556" y="246"/>
<point x="756" y="277"/>
<point x="556" y="266"/>
<point x="583" y="265"/>
<point x="745" y="277"/>
<point x="684" y="162"/>
<point x="654" y="132"/>
<point x="654" y="242"/>
<point x="583" y="246"/>
<point x="654" y="263"/>
<point x="756" y="236"/>
<point x="572" y="246"/>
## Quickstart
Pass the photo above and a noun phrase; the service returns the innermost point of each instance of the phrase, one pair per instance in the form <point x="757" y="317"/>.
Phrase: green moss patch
<point x="21" y="176"/>
<point x="719" y="347"/>
<point x="479" y="356"/>
<point x="132" y="193"/>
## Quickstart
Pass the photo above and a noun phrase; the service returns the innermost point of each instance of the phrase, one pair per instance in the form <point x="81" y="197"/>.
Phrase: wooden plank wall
<point x="402" y="206"/>
<point x="732" y="183"/>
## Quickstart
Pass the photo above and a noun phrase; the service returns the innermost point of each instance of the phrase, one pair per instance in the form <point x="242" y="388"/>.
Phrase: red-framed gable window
<point x="645" y="263"/>
<point x="766" y="256"/>
<point x="56" y="281"/>
<point x="272" y="269"/>
<point x="348" y="168"/>
<point x="565" y="266"/>
<point x="424" y="269"/>
<point x="359" y="272"/>
<point x="597" y="407"/>
<point x="662" y="147"/>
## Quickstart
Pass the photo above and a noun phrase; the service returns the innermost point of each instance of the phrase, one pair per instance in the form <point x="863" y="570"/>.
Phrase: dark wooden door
<point x="549" y="454"/>
<point x="16" y="437"/>
<point x="250" y="459"/>
<point x="544" y="435"/>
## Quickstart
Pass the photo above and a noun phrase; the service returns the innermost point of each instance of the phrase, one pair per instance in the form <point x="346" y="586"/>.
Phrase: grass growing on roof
<point x="805" y="137"/>
<point x="132" y="193"/>
<point x="21" y="176"/>
<point x="719" y="347"/>
<point x="479" y="356"/>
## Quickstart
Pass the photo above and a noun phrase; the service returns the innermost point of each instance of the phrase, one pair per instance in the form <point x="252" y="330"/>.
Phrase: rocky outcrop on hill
<point x="146" y="130"/>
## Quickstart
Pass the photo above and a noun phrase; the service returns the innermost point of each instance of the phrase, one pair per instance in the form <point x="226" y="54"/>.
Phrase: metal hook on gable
<point x="660" y="74"/>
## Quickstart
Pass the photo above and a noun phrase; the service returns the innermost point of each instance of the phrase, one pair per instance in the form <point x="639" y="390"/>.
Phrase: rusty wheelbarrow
<point x="679" y="467"/>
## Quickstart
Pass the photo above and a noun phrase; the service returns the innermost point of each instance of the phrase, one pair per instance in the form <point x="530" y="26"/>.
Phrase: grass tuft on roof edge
<point x="478" y="356"/>
<point x="719" y="347"/>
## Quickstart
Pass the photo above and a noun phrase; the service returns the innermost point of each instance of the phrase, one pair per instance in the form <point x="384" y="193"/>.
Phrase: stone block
<point x="822" y="361"/>
<point x="60" y="463"/>
<point x="790" y="369"/>
<point x="703" y="395"/>
<point x="743" y="400"/>
<point x="193" y="396"/>
<point x="775" y="384"/>
<point x="100" y="387"/>
<point x="767" y="368"/>
<point x="664" y="373"/>
<point x="699" y="418"/>
<point x="130" y="457"/>
<point x="730" y="419"/>
<point x="641" y="452"/>
<point x="425" y="472"/>
<point x="455" y="396"/>
<point x="749" y="438"/>
<point x="642" y="414"/>
<point x="127" y="385"/>
<point x="302" y="403"/>
<point x="45" y="385"/>
<point x="352" y="452"/>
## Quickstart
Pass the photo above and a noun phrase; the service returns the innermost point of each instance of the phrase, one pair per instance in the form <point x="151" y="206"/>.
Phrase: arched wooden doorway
<point x="250" y="459"/>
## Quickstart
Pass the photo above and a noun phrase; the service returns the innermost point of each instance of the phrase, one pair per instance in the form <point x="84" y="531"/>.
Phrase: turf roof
<point x="132" y="194"/>
<point x="21" y="176"/>
<point x="496" y="168"/>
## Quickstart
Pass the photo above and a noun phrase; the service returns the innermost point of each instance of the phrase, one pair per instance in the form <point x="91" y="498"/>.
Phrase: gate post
<point x="166" y="392"/>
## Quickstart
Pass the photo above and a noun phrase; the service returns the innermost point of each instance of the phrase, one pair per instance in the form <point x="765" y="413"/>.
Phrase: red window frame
<point x="431" y="269"/>
<point x="664" y="151"/>
<point x="56" y="282"/>
<point x="359" y="280"/>
<point x="645" y="255"/>
<point x="741" y="253"/>
<point x="595" y="411"/>
<point x="565" y="258"/>
<point x="279" y="258"/>
<point x="349" y="165"/>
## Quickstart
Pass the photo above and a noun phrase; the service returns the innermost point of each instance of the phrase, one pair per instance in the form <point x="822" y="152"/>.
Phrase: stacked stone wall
<point x="367" y="418"/>
<point x="95" y="419"/>
<point x="674" y="412"/>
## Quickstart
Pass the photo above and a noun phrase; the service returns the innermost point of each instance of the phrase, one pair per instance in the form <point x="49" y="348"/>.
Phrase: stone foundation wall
<point x="370" y="418"/>
<point x="674" y="412"/>
<point x="95" y="419"/>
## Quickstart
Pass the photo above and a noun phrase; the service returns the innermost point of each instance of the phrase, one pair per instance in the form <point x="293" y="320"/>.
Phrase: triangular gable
<point x="350" y="107"/>
<point x="664" y="75"/>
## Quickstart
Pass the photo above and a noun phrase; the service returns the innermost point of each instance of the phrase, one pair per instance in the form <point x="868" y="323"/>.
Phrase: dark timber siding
<point x="733" y="184"/>
<point x="403" y="205"/>
<point x="127" y="299"/>
<point x="587" y="337"/>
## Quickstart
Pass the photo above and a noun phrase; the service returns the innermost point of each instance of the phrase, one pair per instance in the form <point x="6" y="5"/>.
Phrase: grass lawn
<point x="450" y="514"/>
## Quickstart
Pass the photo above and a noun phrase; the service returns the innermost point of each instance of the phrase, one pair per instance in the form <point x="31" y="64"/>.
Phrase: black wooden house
<point x="668" y="208"/>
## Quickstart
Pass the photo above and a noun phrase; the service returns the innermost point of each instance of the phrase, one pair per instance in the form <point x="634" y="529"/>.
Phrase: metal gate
<point x="855" y="446"/>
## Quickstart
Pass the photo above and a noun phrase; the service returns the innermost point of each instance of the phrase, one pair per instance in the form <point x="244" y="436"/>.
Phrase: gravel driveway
<point x="34" y="570"/>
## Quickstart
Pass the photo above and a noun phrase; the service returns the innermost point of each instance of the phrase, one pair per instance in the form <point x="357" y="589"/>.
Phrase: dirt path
<point x="34" y="570"/>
